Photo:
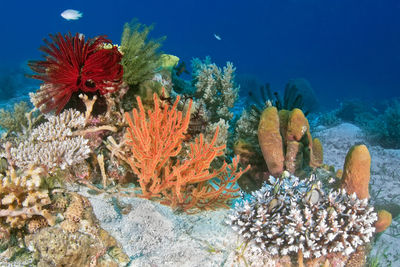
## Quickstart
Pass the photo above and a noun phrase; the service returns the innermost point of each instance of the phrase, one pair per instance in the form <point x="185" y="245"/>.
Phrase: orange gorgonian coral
<point x="156" y="139"/>
<point x="74" y="64"/>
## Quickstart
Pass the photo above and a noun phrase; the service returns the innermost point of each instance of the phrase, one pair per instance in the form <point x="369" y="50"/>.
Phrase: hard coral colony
<point x="74" y="64"/>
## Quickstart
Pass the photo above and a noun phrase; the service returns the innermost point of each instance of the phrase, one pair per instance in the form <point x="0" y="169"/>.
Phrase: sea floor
<point x="153" y="235"/>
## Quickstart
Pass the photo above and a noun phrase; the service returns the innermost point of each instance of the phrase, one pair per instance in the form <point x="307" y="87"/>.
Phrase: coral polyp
<point x="74" y="64"/>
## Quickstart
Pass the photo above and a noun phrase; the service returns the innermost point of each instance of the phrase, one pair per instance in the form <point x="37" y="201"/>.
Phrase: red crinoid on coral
<point x="72" y="64"/>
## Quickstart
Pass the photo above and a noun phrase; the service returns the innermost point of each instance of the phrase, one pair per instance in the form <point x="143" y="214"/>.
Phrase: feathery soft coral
<point x="72" y="64"/>
<point x="155" y="139"/>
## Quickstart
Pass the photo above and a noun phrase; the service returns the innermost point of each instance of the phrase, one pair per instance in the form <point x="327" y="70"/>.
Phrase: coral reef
<point x="74" y="64"/>
<point x="296" y="217"/>
<point x="175" y="150"/>
<point x="154" y="141"/>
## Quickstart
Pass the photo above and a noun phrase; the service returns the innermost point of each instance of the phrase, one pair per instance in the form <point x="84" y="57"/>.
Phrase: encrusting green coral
<point x="141" y="58"/>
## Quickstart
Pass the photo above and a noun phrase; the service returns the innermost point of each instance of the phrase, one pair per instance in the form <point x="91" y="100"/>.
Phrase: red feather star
<point x="72" y="64"/>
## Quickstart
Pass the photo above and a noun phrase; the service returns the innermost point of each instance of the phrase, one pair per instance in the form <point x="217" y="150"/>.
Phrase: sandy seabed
<point x="153" y="235"/>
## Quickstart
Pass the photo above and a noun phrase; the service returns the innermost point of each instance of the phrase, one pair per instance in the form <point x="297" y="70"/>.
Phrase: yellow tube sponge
<point x="384" y="221"/>
<point x="270" y="140"/>
<point x="356" y="171"/>
<point x="318" y="157"/>
<point x="298" y="126"/>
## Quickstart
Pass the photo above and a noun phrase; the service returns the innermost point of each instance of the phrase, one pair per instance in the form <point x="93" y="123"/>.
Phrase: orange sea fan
<point x="156" y="139"/>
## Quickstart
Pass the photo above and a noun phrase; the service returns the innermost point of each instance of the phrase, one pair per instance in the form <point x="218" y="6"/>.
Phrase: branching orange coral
<point x="156" y="139"/>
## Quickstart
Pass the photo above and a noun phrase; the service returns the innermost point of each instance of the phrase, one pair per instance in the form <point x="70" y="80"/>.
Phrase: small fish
<point x="217" y="37"/>
<point x="71" y="14"/>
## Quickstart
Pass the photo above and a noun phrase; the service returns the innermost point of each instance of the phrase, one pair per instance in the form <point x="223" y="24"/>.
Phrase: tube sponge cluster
<point x="292" y="216"/>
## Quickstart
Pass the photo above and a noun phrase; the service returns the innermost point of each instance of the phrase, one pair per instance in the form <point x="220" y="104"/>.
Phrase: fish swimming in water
<point x="71" y="14"/>
<point x="217" y="37"/>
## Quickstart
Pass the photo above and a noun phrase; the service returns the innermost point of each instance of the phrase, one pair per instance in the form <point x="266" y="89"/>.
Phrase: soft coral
<point x="72" y="64"/>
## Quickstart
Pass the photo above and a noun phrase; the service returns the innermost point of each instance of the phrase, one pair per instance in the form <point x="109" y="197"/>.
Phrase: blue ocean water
<point x="344" y="48"/>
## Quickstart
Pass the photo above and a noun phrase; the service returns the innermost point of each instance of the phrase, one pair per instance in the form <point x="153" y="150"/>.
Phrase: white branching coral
<point x="58" y="127"/>
<point x="290" y="215"/>
<point x="215" y="88"/>
<point x="54" y="144"/>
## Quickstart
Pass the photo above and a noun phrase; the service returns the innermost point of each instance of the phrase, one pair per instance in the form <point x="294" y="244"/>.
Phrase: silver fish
<point x="71" y="14"/>
<point x="217" y="37"/>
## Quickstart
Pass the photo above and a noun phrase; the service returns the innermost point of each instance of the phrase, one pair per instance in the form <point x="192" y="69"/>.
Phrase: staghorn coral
<point x="53" y="144"/>
<point x="74" y="64"/>
<point x="156" y="139"/>
<point x="141" y="57"/>
<point x="293" y="217"/>
<point x="24" y="199"/>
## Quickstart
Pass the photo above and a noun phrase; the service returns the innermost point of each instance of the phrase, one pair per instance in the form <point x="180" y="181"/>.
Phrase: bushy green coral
<point x="14" y="121"/>
<point x="141" y="57"/>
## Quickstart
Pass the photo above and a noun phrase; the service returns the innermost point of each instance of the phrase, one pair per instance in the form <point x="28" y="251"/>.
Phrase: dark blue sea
<point x="345" y="48"/>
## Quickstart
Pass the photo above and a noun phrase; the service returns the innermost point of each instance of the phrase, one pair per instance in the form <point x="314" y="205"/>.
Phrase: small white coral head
<point x="71" y="14"/>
